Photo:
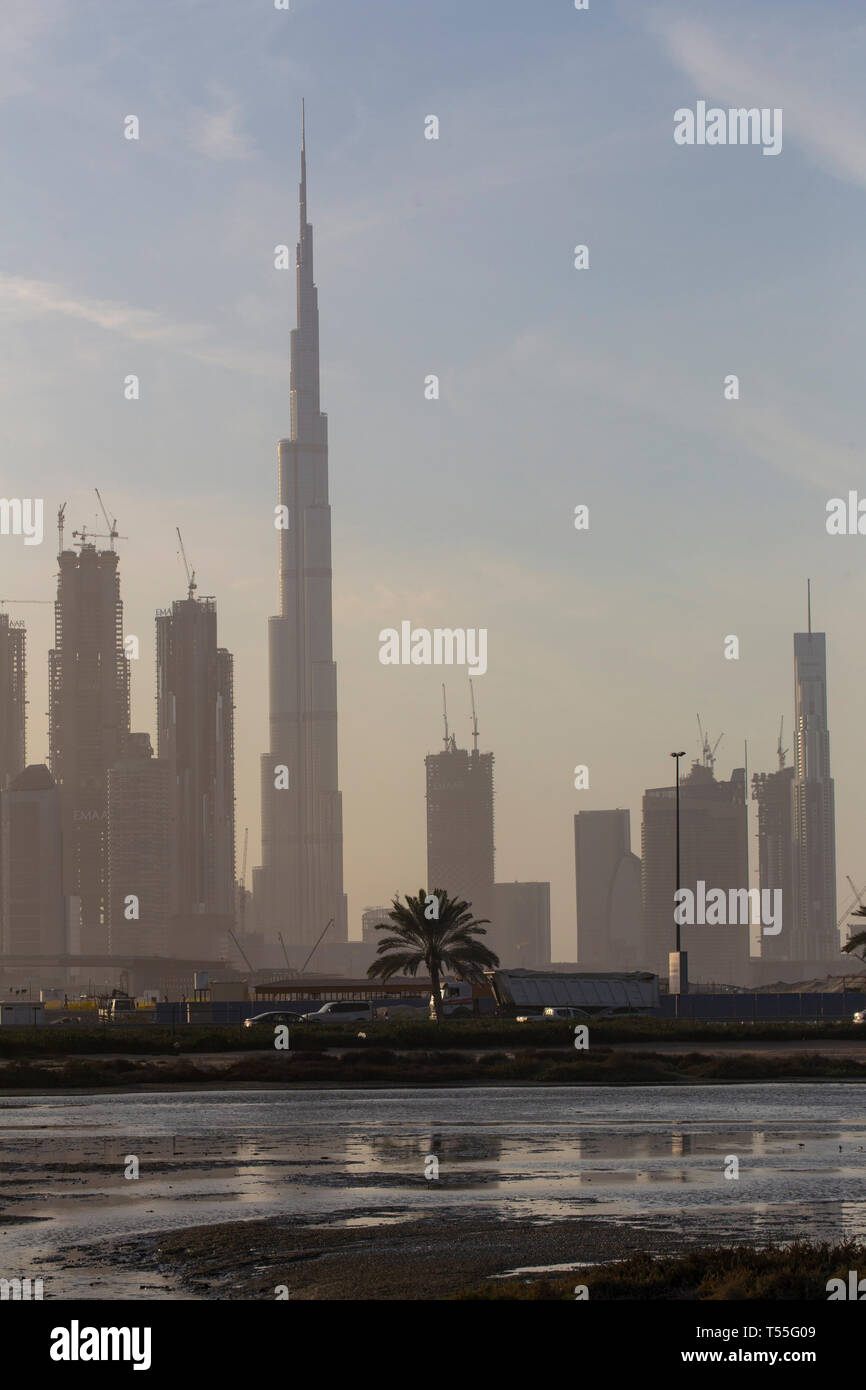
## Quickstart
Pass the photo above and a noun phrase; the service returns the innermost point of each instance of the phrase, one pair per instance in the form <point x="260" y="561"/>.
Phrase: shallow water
<point x="635" y="1154"/>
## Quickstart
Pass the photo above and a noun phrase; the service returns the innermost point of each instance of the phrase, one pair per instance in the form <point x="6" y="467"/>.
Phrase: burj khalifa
<point x="298" y="889"/>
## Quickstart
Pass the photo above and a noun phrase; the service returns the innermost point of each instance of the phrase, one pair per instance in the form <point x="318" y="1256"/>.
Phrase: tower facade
<point x="140" y="844"/>
<point x="195" y="721"/>
<point x="88" y="723"/>
<point x="32" y="905"/>
<point x="814" y="934"/>
<point x="13" y="697"/>
<point x="608" y="884"/>
<point x="773" y="792"/>
<point x="460" y="849"/>
<point x="520" y="935"/>
<point x="299" y="886"/>
<point x="714" y="850"/>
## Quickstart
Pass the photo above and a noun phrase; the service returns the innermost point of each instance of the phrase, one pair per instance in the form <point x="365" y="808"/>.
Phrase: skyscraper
<point x="814" y="935"/>
<point x="195" y="719"/>
<point x="608" y="884"/>
<point x="714" y="849"/>
<point x="299" y="886"/>
<point x="140" y="846"/>
<point x="460" y="850"/>
<point x="773" y="792"/>
<point x="520" y="934"/>
<point x="32" y="908"/>
<point x="13" y="701"/>
<point x="88" y="723"/>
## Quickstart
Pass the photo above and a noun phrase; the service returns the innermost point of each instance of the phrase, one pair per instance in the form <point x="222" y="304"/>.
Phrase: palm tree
<point x="442" y="942"/>
<point x="859" y="939"/>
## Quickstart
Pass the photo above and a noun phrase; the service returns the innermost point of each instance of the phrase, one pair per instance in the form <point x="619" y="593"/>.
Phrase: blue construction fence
<point x="748" y="1008"/>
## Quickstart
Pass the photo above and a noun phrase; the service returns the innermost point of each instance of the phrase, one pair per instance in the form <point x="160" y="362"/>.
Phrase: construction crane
<point x="111" y="535"/>
<point x="84" y="536"/>
<point x="241" y="949"/>
<point x="856" y="902"/>
<point x="708" y="754"/>
<point x="474" y="718"/>
<point x="111" y="523"/>
<point x="780" y="751"/>
<point x="450" y="741"/>
<point x="315" y="948"/>
<point x="289" y="969"/>
<point x="26" y="600"/>
<point x="190" y="574"/>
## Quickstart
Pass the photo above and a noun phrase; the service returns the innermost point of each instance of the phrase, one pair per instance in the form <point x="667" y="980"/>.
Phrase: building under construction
<point x="460" y="848"/>
<point x="88" y="721"/>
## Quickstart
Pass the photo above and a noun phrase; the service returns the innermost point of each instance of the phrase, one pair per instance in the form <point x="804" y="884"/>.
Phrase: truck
<point x="463" y="999"/>
<point x="612" y="993"/>
<point x="118" y="1008"/>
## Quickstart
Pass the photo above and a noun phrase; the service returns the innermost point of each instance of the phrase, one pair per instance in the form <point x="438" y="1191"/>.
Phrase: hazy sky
<point x="558" y="386"/>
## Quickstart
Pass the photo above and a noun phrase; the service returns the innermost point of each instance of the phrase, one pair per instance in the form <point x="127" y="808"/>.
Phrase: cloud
<point x="217" y="134"/>
<point x="23" y="298"/>
<point x="808" y="77"/>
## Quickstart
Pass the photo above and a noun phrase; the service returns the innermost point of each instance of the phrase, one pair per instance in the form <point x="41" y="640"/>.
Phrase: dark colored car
<point x="270" y="1020"/>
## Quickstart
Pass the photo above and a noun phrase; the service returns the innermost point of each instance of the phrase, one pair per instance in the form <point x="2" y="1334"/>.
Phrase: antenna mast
<point x="61" y="513"/>
<point x="445" y="716"/>
<point x="809" y="602"/>
<point x="780" y="751"/>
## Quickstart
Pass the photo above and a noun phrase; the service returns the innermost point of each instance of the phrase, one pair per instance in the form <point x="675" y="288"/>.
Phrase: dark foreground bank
<point x="478" y="1259"/>
<point x="380" y="1067"/>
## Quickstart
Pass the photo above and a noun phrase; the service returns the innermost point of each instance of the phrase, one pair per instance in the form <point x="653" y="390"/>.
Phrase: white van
<point x="343" y="1011"/>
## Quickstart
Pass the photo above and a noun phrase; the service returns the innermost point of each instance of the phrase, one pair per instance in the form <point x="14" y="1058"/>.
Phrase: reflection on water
<point x="642" y="1154"/>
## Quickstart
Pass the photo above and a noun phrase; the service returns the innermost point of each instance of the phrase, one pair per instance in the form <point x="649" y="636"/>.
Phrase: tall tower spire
<point x="302" y="190"/>
<point x="299" y="886"/>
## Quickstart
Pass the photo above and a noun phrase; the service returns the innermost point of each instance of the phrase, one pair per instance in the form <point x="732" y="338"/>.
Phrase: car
<point x="272" y="1019"/>
<point x="65" y="1019"/>
<point x="565" y="1011"/>
<point x="343" y="1011"/>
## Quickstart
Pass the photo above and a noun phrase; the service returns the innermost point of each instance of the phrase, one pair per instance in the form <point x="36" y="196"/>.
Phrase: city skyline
<point x="592" y="375"/>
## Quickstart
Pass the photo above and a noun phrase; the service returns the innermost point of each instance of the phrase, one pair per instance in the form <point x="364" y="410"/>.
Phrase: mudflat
<point x="424" y="1258"/>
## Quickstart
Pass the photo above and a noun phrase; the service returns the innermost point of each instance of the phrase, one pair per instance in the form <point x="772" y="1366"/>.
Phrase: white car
<point x="343" y="1011"/>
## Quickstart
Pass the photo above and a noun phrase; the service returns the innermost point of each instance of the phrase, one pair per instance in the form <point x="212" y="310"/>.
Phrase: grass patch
<point x="404" y="1035"/>
<point x="798" y="1272"/>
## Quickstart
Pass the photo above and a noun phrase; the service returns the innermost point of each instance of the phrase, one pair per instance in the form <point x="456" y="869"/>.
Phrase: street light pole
<point x="677" y="757"/>
<point x="677" y="964"/>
